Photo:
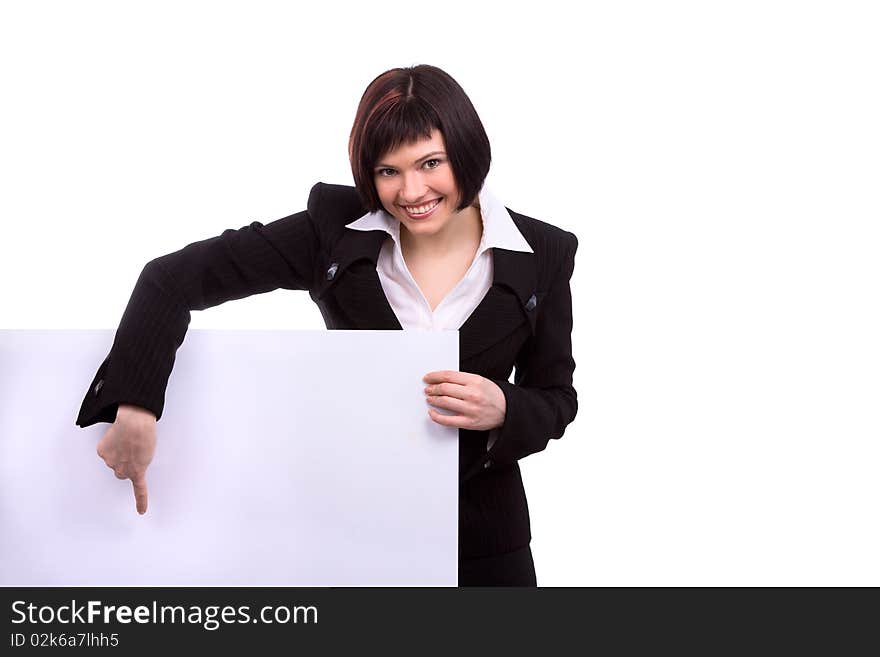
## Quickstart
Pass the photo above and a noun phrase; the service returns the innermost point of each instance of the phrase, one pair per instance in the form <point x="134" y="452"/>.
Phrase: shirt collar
<point x="499" y="229"/>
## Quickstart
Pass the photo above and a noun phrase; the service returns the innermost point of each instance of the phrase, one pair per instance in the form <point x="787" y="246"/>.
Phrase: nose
<point x="413" y="189"/>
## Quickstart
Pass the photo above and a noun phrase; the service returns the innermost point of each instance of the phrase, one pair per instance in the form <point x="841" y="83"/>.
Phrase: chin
<point x="421" y="230"/>
<point x="428" y="226"/>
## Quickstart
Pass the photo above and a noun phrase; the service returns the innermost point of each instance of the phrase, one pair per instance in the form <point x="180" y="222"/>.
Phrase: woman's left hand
<point x="478" y="402"/>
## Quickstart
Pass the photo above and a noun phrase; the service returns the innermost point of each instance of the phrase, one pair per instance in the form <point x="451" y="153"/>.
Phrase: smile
<point x="421" y="211"/>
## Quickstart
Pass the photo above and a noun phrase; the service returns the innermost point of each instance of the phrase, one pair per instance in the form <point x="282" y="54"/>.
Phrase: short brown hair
<point x="404" y="105"/>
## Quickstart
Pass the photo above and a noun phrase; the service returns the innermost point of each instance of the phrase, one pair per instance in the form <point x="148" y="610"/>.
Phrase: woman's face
<point x="418" y="177"/>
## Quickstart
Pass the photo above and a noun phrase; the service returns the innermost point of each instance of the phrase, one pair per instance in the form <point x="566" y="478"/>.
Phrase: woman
<point x="417" y="243"/>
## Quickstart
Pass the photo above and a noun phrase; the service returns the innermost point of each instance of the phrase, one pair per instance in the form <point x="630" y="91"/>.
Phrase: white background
<point x="717" y="161"/>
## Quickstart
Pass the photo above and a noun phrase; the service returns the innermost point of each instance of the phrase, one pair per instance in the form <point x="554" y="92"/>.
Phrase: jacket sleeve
<point x="233" y="265"/>
<point x="542" y="401"/>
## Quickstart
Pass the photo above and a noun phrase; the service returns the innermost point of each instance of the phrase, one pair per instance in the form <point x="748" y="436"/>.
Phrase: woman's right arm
<point x="233" y="265"/>
<point x="129" y="387"/>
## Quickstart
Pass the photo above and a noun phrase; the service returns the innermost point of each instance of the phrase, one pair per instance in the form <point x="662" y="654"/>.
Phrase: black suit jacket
<point x="524" y="321"/>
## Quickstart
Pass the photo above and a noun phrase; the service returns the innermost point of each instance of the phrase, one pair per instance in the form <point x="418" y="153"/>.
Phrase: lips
<point x="432" y="205"/>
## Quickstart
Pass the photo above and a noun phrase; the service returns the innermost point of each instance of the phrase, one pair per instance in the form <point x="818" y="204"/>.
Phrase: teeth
<point x="422" y="209"/>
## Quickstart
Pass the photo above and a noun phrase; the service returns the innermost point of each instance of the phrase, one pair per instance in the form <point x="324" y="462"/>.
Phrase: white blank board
<point x="284" y="458"/>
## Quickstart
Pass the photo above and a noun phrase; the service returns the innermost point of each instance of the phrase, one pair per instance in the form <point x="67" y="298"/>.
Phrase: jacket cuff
<point x="533" y="417"/>
<point x="105" y="395"/>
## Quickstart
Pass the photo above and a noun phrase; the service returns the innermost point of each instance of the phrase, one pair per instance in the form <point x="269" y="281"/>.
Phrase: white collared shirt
<point x="406" y="298"/>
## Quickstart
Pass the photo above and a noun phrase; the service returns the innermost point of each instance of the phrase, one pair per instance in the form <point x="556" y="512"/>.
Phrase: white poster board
<point x="284" y="458"/>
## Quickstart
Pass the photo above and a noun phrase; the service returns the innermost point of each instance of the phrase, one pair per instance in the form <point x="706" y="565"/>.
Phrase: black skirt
<point x="509" y="569"/>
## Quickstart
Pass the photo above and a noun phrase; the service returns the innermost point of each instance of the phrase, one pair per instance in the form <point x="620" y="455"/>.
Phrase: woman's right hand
<point x="128" y="446"/>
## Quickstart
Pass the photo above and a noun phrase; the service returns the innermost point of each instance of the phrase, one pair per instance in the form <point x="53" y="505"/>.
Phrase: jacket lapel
<point x="353" y="264"/>
<point x="510" y="301"/>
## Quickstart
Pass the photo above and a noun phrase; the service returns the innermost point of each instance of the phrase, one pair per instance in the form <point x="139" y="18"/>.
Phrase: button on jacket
<point x="524" y="321"/>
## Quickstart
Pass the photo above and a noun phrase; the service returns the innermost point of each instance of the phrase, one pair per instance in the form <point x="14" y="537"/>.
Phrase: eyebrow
<point x="423" y="157"/>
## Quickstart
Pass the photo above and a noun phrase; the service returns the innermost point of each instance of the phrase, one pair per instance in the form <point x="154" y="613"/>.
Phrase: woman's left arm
<point x="524" y="416"/>
<point x="543" y="401"/>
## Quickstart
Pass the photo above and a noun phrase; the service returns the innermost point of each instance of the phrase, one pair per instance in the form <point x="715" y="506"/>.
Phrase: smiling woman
<point x="438" y="243"/>
<point x="419" y="242"/>
<point x="424" y="190"/>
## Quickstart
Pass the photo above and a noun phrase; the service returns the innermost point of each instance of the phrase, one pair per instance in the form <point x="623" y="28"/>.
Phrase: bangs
<point x="397" y="122"/>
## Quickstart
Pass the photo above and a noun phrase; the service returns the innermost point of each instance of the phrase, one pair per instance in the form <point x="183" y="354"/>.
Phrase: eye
<point x="434" y="160"/>
<point x="381" y="173"/>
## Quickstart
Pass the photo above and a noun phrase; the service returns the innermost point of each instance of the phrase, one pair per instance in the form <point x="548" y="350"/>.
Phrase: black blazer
<point x="525" y="320"/>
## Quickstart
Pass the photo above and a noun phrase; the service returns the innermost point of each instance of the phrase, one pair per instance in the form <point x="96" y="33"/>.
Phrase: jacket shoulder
<point x="552" y="245"/>
<point x="333" y="206"/>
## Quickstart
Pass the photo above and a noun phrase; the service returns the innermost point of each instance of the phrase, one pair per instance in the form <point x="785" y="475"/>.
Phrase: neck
<point x="463" y="231"/>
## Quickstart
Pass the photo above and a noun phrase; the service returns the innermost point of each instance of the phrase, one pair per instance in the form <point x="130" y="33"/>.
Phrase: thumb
<point x="139" y="483"/>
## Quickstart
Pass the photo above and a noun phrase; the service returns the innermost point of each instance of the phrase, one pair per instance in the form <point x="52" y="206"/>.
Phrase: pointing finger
<point x="139" y="483"/>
